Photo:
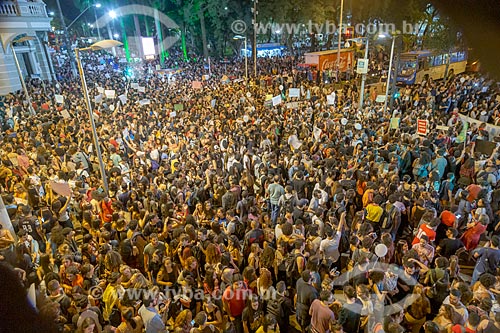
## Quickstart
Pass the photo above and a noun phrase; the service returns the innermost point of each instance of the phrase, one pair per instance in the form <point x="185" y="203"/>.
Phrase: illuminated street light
<point x="116" y="35"/>
<point x="112" y="14"/>
<point x="101" y="45"/>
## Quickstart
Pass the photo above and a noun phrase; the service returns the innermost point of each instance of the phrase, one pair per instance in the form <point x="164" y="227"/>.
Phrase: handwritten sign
<point x="422" y="126"/>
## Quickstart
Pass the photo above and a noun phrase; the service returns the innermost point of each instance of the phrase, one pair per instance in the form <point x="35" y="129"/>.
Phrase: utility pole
<point x="340" y="38"/>
<point x="254" y="48"/>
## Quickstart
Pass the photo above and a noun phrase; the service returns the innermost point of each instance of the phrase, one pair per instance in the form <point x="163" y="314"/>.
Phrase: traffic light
<point x="349" y="32"/>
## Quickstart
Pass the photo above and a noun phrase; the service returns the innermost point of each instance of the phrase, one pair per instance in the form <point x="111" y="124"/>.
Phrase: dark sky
<point x="68" y="8"/>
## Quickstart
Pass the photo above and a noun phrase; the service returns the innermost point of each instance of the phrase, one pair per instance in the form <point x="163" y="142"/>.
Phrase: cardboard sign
<point x="141" y="89"/>
<point x="100" y="90"/>
<point x="269" y="97"/>
<point x="485" y="147"/>
<point x="394" y="123"/>
<point x="98" y="99"/>
<point x="110" y="94"/>
<point x="178" y="107"/>
<point x="65" y="114"/>
<point x="59" y="99"/>
<point x="294" y="92"/>
<point x="442" y="128"/>
<point x="292" y="105"/>
<point x="422" y="126"/>
<point x="134" y="85"/>
<point x="143" y="102"/>
<point x="61" y="188"/>
<point x="212" y="103"/>
<point x="380" y="99"/>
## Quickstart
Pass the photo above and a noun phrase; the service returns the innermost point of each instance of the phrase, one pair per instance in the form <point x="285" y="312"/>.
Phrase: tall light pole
<point x="101" y="45"/>
<point x="363" y="79"/>
<point x="246" y="56"/>
<point x="340" y="37"/>
<point x="97" y="5"/>
<point x="254" y="48"/>
<point x="66" y="39"/>
<point x="20" y="73"/>
<point x="389" y="72"/>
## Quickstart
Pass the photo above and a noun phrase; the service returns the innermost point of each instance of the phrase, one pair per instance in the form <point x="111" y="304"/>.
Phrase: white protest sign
<point x="292" y="105"/>
<point x="330" y="100"/>
<point x="123" y="98"/>
<point x="380" y="99"/>
<point x="59" y="99"/>
<point x="144" y="102"/>
<point x="294" y="142"/>
<point x="294" y="92"/>
<point x="110" y="93"/>
<point x="276" y="100"/>
<point x="317" y="133"/>
<point x="134" y="85"/>
<point x="100" y="90"/>
<point x="98" y="99"/>
<point x="141" y="89"/>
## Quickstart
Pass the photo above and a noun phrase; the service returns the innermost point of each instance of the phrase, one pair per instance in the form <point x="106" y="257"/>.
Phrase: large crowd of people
<point x="230" y="206"/>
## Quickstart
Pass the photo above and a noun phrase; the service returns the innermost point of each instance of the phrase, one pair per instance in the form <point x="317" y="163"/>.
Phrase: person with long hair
<point x="211" y="283"/>
<point x="475" y="229"/>
<point x="130" y="323"/>
<point x="168" y="274"/>
<point x="183" y="321"/>
<point x="416" y="313"/>
<point x="270" y="325"/>
<point x="265" y="288"/>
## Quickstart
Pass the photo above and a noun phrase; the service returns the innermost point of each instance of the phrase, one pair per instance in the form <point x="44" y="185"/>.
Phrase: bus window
<point x="407" y="67"/>
<point x="421" y="63"/>
<point x="438" y="60"/>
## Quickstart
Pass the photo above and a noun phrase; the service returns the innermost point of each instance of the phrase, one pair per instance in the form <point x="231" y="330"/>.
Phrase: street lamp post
<point x="389" y="73"/>
<point x="254" y="48"/>
<point x="363" y="79"/>
<point x="246" y="56"/>
<point x="340" y="38"/>
<point x="97" y="5"/>
<point x="66" y="39"/>
<point x="101" y="45"/>
<point x="20" y="73"/>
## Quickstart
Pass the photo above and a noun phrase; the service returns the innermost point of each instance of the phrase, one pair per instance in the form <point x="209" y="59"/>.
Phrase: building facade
<point x="23" y="18"/>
